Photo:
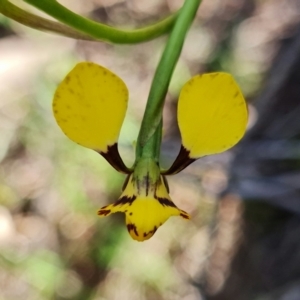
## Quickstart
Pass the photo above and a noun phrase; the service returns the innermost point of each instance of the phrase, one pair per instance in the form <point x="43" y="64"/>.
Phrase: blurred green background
<point x="52" y="243"/>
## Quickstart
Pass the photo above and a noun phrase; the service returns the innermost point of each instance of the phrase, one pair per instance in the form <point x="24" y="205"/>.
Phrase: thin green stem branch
<point x="30" y="20"/>
<point x="100" y="31"/>
<point x="153" y="113"/>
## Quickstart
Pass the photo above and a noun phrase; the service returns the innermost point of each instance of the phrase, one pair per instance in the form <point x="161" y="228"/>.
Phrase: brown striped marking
<point x="132" y="227"/>
<point x="103" y="212"/>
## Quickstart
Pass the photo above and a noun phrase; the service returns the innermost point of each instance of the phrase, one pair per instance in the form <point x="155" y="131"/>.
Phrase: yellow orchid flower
<point x="145" y="202"/>
<point x="89" y="106"/>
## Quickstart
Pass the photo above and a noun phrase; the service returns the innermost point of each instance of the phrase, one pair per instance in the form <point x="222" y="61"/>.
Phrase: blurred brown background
<point x="243" y="239"/>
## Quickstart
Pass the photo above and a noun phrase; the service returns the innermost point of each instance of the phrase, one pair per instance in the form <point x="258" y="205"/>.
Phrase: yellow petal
<point x="147" y="214"/>
<point x="212" y="114"/>
<point x="144" y="214"/>
<point x="89" y="106"/>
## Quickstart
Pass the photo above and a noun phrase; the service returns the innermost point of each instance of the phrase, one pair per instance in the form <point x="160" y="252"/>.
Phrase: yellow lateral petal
<point x="89" y="106"/>
<point x="212" y="114"/>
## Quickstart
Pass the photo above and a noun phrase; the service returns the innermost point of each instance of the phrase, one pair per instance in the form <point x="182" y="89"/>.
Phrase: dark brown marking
<point x="165" y="202"/>
<point x="184" y="215"/>
<point x="138" y="186"/>
<point x="125" y="182"/>
<point x="236" y="94"/>
<point x="130" y="214"/>
<point x="124" y="200"/>
<point x="67" y="80"/>
<point x="104" y="212"/>
<point x="132" y="227"/>
<point x="181" y="162"/>
<point x="71" y="91"/>
<point x="147" y="180"/>
<point x="166" y="183"/>
<point x="55" y="111"/>
<point x="150" y="232"/>
<point x="112" y="155"/>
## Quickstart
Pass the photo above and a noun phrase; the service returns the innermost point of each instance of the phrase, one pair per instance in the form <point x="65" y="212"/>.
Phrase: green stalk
<point x="100" y="31"/>
<point x="149" y="135"/>
<point x="30" y="20"/>
<point x="152" y="147"/>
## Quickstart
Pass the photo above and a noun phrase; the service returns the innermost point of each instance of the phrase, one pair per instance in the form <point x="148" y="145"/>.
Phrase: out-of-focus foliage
<point x="52" y="244"/>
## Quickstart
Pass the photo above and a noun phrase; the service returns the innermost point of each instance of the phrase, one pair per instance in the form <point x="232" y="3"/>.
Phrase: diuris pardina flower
<point x="89" y="106"/>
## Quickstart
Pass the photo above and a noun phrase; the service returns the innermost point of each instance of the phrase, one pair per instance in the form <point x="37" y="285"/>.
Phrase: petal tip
<point x="103" y="212"/>
<point x="139" y="235"/>
<point x="184" y="215"/>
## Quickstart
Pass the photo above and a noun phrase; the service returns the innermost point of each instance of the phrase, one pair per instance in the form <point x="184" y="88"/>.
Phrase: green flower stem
<point x="100" y="31"/>
<point x="152" y="147"/>
<point x="28" y="19"/>
<point x="153" y="113"/>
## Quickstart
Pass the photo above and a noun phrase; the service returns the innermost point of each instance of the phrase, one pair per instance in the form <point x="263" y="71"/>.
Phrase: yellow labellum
<point x="146" y="206"/>
<point x="212" y="114"/>
<point x="89" y="106"/>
